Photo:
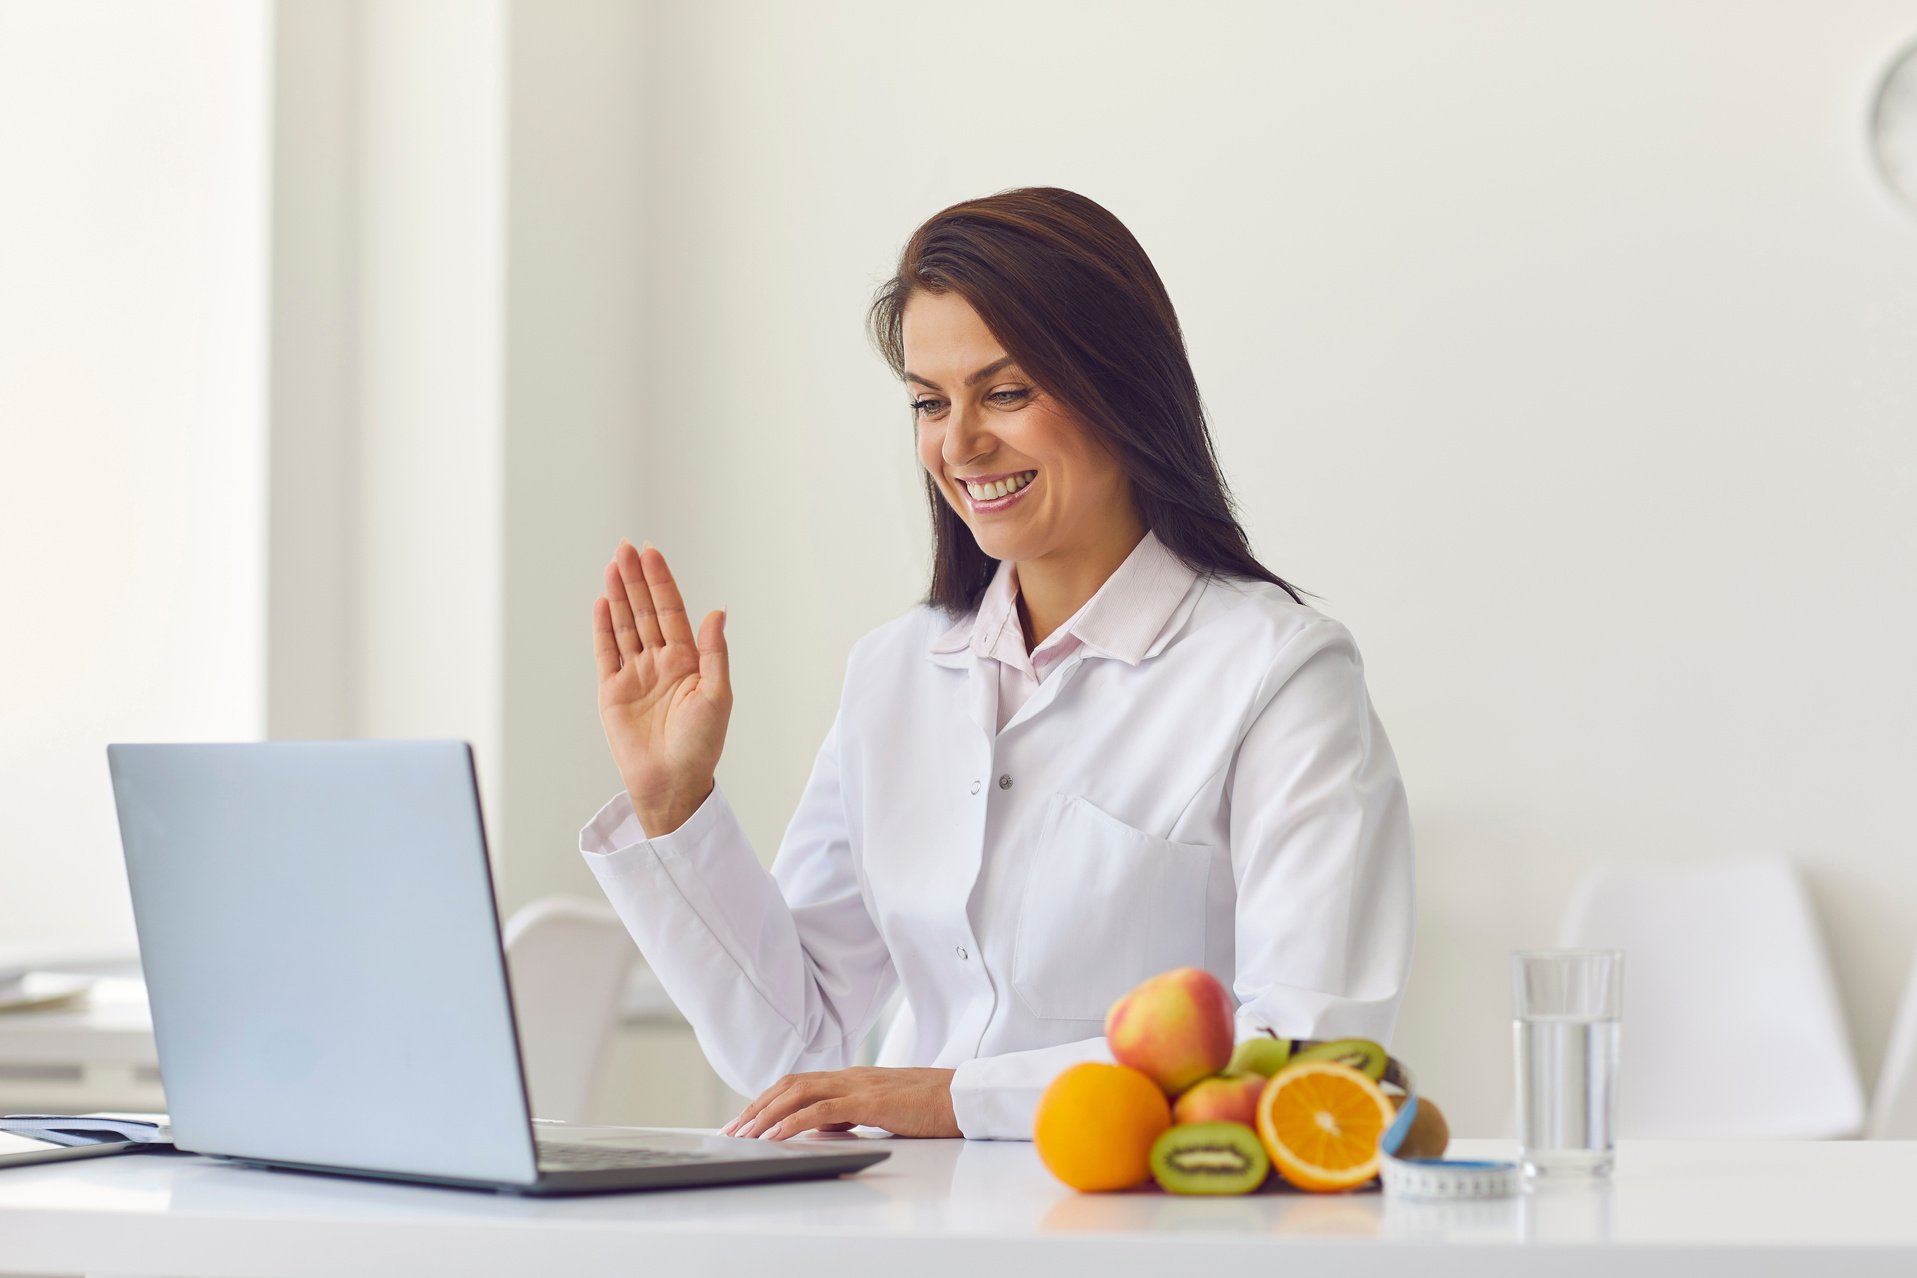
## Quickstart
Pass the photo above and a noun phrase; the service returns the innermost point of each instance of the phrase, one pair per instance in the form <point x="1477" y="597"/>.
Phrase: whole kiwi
<point x="1429" y="1135"/>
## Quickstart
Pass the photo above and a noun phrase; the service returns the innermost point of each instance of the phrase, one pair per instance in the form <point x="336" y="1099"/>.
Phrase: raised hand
<point x="664" y="697"/>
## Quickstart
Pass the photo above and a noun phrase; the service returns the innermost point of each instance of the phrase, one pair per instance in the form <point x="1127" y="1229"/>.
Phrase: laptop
<point x="322" y="953"/>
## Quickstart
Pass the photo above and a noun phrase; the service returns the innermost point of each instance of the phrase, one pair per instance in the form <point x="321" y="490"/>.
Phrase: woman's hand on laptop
<point x="665" y="696"/>
<point x="905" y="1102"/>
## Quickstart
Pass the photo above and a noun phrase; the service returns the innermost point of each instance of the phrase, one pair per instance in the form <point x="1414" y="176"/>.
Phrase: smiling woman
<point x="1108" y="742"/>
<point x="1090" y="340"/>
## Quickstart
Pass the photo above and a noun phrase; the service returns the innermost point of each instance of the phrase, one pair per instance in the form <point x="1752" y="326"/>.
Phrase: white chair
<point x="1893" y="1106"/>
<point x="1732" y="1027"/>
<point x="568" y="961"/>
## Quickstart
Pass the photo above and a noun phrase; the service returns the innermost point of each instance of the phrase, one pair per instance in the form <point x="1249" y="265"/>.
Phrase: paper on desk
<point x="83" y="1129"/>
<point x="36" y="991"/>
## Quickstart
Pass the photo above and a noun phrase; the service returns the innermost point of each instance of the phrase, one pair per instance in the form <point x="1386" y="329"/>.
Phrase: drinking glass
<point x="1566" y="1008"/>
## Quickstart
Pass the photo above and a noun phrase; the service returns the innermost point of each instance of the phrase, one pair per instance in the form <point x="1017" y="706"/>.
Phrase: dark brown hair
<point x="1069" y="293"/>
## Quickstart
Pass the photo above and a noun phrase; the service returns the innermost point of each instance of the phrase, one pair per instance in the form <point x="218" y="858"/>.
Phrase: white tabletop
<point x="971" y="1208"/>
<point x="110" y="1024"/>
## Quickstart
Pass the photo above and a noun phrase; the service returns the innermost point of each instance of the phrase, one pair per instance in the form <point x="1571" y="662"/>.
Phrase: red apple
<point x="1175" y="1028"/>
<point x="1222" y="1098"/>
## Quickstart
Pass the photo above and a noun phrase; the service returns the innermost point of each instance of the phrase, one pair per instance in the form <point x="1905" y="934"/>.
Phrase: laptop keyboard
<point x="578" y="1157"/>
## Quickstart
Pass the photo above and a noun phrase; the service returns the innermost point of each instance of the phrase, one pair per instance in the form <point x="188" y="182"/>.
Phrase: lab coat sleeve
<point x="1321" y="851"/>
<point x="995" y="1097"/>
<point x="777" y="972"/>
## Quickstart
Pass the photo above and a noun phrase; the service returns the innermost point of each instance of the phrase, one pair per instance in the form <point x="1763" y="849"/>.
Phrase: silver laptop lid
<point x="321" y="946"/>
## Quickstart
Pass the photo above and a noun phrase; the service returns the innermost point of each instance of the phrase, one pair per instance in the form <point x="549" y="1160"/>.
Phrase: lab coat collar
<point x="1130" y="617"/>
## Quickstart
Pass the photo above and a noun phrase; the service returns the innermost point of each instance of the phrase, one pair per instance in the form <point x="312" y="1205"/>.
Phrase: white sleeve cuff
<point x="614" y="833"/>
<point x="612" y="828"/>
<point x="996" y="1097"/>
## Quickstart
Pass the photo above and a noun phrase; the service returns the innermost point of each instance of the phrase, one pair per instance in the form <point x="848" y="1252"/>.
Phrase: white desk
<point x="981" y="1210"/>
<point x="91" y="1055"/>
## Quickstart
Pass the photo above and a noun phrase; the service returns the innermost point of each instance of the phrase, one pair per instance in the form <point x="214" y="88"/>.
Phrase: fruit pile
<point x="1201" y="1115"/>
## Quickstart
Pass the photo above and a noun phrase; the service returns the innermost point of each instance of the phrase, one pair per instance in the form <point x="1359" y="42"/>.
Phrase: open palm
<point x="665" y="697"/>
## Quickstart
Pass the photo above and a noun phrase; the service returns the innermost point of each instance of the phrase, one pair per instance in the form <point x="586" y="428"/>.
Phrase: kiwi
<point x="1430" y="1135"/>
<point x="1263" y="1056"/>
<point x="1209" y="1158"/>
<point x="1361" y="1054"/>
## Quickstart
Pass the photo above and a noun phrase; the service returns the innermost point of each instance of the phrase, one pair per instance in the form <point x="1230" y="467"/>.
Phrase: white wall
<point x="577" y="462"/>
<point x="132" y="423"/>
<point x="387" y="374"/>
<point x="1566" y="350"/>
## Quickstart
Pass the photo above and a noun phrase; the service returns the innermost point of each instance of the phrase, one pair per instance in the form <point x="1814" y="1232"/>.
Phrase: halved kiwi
<point x="1209" y="1158"/>
<point x="1361" y="1054"/>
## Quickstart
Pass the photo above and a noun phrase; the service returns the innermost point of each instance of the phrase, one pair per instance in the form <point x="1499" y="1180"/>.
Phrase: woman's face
<point x="981" y="419"/>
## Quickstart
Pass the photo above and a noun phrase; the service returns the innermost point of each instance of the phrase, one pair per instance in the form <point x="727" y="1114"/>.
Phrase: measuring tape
<point x="1449" y="1177"/>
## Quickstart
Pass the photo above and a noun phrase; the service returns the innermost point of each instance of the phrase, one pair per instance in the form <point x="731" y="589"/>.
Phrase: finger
<point x="605" y="648"/>
<point x="625" y="634"/>
<point x="745" y="1116"/>
<point x="793" y="1098"/>
<point x="769" y="1113"/>
<point x="665" y="596"/>
<point x="759" y="1103"/>
<point x="715" y="663"/>
<point x="638" y="596"/>
<point x="831" y="1110"/>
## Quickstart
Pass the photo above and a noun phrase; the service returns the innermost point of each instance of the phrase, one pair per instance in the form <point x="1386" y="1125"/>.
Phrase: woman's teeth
<point x="986" y="492"/>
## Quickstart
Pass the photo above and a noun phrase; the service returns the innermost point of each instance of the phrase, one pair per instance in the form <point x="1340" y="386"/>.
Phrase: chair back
<point x="568" y="961"/>
<point x="1732" y="1025"/>
<point x="1893" y="1106"/>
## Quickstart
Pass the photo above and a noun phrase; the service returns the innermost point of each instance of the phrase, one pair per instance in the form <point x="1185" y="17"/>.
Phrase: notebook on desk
<point x="328" y="987"/>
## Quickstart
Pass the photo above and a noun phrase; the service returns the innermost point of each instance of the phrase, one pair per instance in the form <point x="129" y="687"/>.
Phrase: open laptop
<point x="329" y="993"/>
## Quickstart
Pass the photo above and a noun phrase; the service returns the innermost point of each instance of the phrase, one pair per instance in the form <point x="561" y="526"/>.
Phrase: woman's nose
<point x="966" y="436"/>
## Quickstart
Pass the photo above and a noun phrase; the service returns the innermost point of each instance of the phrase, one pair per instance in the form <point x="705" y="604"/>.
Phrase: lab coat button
<point x="962" y="954"/>
<point x="1005" y="781"/>
<point x="974" y="787"/>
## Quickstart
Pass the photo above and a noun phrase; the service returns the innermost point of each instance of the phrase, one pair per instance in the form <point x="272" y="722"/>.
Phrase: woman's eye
<point x="920" y="407"/>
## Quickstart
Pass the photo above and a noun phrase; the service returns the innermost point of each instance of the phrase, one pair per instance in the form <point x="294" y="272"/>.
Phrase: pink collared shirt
<point x="1120" y="618"/>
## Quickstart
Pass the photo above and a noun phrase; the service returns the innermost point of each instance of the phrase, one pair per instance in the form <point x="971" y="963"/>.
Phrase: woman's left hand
<point x="905" y="1102"/>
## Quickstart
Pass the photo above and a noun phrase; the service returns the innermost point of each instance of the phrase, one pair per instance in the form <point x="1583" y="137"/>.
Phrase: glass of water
<point x="1566" y="1008"/>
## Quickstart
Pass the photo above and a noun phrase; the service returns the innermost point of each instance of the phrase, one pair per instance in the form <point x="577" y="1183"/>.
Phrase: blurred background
<point x="1568" y="352"/>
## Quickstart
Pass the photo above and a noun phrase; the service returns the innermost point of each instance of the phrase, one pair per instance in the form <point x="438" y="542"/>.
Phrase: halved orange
<point x="1321" y="1122"/>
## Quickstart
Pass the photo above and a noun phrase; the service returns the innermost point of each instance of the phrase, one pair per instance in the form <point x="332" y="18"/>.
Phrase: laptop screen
<point x="321" y="945"/>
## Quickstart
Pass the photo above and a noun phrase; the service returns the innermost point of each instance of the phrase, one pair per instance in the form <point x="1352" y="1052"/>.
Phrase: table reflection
<point x="1567" y="1211"/>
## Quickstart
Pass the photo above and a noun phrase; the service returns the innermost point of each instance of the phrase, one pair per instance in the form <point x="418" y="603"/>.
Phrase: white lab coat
<point x="1203" y="781"/>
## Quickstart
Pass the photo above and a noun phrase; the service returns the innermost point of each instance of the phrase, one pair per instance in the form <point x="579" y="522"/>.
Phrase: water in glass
<point x="1567" y="1068"/>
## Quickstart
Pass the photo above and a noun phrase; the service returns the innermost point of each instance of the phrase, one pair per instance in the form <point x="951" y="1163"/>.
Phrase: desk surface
<point x="977" y="1208"/>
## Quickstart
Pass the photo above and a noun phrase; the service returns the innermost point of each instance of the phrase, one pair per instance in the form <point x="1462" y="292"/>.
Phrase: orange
<point x="1095" y="1126"/>
<point x="1321" y="1122"/>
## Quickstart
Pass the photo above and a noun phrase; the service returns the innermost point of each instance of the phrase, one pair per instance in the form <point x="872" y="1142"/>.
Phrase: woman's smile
<point x="992" y="497"/>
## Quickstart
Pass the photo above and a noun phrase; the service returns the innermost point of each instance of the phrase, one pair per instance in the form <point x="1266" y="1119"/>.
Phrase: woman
<point x="1109" y="742"/>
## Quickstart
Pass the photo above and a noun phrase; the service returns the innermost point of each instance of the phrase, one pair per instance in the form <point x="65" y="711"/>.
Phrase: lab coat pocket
<point x="1105" y="906"/>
